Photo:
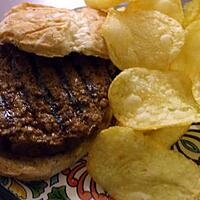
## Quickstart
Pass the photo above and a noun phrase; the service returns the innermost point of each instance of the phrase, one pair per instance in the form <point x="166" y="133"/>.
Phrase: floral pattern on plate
<point x="75" y="183"/>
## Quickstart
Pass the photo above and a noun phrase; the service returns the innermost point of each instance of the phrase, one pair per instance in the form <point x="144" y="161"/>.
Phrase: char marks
<point x="47" y="95"/>
<point x="7" y="113"/>
<point x="77" y="105"/>
<point x="49" y="105"/>
<point x="20" y="87"/>
<point x="90" y="87"/>
<point x="78" y="98"/>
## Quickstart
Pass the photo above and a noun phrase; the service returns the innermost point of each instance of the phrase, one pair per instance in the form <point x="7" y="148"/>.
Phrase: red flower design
<point x="78" y="183"/>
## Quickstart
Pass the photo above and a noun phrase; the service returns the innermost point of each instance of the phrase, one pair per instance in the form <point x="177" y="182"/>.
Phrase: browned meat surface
<point x="50" y="105"/>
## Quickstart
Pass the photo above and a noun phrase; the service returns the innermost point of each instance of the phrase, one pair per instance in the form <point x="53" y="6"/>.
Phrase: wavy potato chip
<point x="151" y="99"/>
<point x="191" y="11"/>
<point x="164" y="136"/>
<point x="167" y="136"/>
<point x="103" y="4"/>
<point x="142" y="39"/>
<point x="172" y="8"/>
<point x="133" y="167"/>
<point x="188" y="61"/>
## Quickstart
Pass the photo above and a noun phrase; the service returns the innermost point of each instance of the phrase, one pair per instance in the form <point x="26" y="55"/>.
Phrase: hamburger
<point x="54" y="79"/>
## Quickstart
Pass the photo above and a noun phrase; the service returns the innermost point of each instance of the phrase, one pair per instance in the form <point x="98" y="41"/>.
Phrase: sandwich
<point x="54" y="79"/>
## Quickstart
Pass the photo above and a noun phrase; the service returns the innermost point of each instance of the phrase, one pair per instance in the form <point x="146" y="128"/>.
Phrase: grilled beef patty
<point x="50" y="105"/>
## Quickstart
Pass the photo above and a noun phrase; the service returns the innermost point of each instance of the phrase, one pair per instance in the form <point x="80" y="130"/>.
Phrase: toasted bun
<point x="34" y="169"/>
<point x="50" y="32"/>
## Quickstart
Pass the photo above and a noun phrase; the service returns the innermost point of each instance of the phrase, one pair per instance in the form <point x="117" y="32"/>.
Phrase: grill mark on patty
<point x="7" y="113"/>
<point x="73" y="109"/>
<point x="48" y="97"/>
<point x="80" y="90"/>
<point x="102" y="70"/>
<point x="79" y="106"/>
<point x="20" y="87"/>
<point x="18" y="73"/>
<point x="90" y="87"/>
<point x="76" y="104"/>
<point x="96" y="73"/>
<point x="9" y="98"/>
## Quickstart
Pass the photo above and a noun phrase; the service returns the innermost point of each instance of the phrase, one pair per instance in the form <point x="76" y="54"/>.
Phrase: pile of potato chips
<point x="155" y="99"/>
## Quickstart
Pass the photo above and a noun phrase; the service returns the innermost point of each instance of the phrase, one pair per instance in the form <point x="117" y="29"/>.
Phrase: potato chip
<point x="133" y="167"/>
<point x="188" y="61"/>
<point x="103" y="4"/>
<point x="142" y="39"/>
<point x="164" y="136"/>
<point x="167" y="136"/>
<point x="150" y="99"/>
<point x="172" y="8"/>
<point x="196" y="88"/>
<point x="192" y="12"/>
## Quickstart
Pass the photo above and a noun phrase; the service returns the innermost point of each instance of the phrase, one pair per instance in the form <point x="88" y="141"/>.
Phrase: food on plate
<point x="50" y="32"/>
<point x="191" y="11"/>
<point x="147" y="39"/>
<point x="167" y="136"/>
<point x="147" y="99"/>
<point x="133" y="167"/>
<point x="172" y="8"/>
<point x="50" y="108"/>
<point x="188" y="60"/>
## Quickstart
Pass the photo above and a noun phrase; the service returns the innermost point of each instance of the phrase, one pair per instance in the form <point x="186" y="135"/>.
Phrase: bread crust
<point x="51" y="32"/>
<point x="35" y="169"/>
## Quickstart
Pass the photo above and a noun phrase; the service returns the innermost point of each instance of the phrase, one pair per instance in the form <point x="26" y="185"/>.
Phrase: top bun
<point x="54" y="32"/>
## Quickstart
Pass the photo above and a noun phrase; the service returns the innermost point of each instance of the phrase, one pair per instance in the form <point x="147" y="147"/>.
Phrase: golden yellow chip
<point x="133" y="167"/>
<point x="196" y="87"/>
<point x="188" y="61"/>
<point x="167" y="136"/>
<point x="192" y="11"/>
<point x="103" y="4"/>
<point x="150" y="99"/>
<point x="142" y="39"/>
<point x="172" y="8"/>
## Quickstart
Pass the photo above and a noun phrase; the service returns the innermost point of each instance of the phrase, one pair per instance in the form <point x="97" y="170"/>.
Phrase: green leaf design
<point x="37" y="188"/>
<point x="190" y="146"/>
<point x="58" y="194"/>
<point x="54" y="179"/>
<point x="4" y="180"/>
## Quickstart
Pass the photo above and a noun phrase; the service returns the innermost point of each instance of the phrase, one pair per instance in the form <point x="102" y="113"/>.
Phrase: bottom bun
<point x="35" y="169"/>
